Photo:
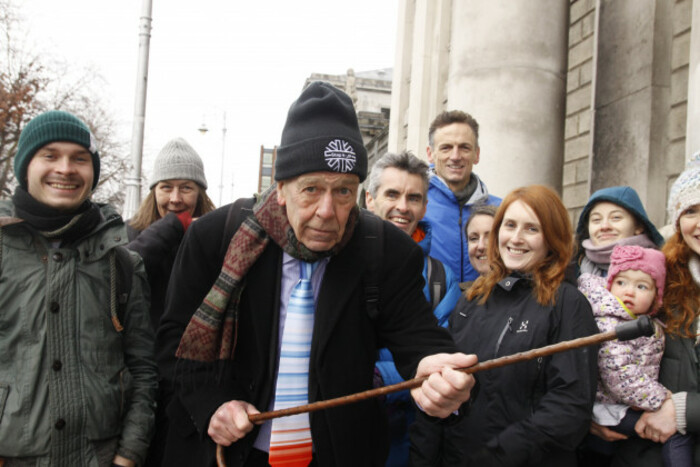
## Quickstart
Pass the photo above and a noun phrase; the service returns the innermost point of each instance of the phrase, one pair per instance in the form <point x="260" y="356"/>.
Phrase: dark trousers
<point x="677" y="451"/>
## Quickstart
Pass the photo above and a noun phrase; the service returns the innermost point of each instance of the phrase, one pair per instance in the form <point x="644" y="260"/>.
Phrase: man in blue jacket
<point x="398" y="193"/>
<point x="453" y="150"/>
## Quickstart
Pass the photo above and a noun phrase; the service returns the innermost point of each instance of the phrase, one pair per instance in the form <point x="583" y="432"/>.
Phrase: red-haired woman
<point x="680" y="371"/>
<point x="536" y="412"/>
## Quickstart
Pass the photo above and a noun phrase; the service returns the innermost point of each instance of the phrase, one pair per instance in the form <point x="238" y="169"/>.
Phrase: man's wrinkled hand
<point x="230" y="422"/>
<point x="446" y="389"/>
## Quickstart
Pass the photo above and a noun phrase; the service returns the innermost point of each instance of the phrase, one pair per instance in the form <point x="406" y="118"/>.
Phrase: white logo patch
<point x="340" y="156"/>
<point x="93" y="144"/>
<point x="523" y="326"/>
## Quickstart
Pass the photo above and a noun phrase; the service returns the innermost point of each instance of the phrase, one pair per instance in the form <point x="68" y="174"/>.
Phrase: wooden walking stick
<point x="642" y="326"/>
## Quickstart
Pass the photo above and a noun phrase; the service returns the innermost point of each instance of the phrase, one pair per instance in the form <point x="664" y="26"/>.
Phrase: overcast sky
<point x="249" y="59"/>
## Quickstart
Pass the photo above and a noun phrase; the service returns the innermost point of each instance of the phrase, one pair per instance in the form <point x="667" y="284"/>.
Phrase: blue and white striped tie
<point x="290" y="441"/>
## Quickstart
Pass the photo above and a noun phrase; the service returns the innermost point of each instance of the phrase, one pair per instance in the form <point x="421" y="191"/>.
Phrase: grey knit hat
<point x="685" y="191"/>
<point x="321" y="135"/>
<point x="178" y="161"/>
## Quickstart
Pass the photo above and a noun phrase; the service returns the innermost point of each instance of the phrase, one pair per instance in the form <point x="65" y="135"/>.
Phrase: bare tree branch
<point x="31" y="84"/>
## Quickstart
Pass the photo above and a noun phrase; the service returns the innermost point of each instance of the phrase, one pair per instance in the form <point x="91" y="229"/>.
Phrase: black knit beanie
<point x="54" y="125"/>
<point x="321" y="135"/>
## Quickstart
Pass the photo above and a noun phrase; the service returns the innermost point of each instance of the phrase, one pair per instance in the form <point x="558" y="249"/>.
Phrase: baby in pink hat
<point x="628" y="371"/>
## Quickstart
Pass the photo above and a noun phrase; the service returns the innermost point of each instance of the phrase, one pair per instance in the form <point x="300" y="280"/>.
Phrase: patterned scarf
<point x="213" y="330"/>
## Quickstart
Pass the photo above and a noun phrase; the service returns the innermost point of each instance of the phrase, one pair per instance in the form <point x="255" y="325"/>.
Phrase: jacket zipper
<point x="461" y="245"/>
<point x="536" y="393"/>
<point x="503" y="333"/>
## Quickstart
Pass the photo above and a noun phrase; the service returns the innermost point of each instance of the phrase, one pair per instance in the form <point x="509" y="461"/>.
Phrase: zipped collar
<point x="481" y="194"/>
<point x="508" y="282"/>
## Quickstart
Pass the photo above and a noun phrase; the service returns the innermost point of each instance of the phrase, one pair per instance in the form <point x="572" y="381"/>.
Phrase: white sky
<point x="249" y="59"/>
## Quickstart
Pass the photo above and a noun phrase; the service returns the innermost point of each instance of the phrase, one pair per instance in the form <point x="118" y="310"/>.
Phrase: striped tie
<point x="290" y="441"/>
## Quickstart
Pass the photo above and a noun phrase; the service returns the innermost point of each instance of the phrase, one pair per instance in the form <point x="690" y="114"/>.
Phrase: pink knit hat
<point x="635" y="257"/>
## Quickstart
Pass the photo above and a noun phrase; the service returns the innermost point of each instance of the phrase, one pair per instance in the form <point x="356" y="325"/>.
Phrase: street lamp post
<point x="203" y="130"/>
<point x="133" y="181"/>
<point x="223" y="158"/>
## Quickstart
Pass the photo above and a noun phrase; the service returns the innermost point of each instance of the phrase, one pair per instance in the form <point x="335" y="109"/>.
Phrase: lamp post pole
<point x="223" y="158"/>
<point x="133" y="181"/>
<point x="203" y="130"/>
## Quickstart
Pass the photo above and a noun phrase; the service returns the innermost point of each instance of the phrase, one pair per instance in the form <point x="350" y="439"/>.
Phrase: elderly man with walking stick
<point x="286" y="298"/>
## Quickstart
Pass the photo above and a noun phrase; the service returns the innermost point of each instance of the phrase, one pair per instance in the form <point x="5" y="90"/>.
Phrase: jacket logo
<point x="340" y="156"/>
<point x="523" y="326"/>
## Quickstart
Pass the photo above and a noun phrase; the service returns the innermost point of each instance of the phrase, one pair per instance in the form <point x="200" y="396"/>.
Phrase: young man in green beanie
<point x="77" y="376"/>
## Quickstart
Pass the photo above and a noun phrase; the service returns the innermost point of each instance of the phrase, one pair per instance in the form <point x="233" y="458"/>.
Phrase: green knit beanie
<point x="54" y="125"/>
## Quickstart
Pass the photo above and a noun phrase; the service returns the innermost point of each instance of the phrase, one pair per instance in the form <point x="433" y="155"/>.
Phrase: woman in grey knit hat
<point x="177" y="195"/>
<point x="178" y="184"/>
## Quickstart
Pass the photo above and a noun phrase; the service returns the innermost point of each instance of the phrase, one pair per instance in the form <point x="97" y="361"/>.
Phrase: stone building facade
<point x="266" y="170"/>
<point x="577" y="95"/>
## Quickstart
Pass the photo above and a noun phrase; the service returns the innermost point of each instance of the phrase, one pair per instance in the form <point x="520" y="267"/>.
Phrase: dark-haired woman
<point x="612" y="216"/>
<point x="477" y="230"/>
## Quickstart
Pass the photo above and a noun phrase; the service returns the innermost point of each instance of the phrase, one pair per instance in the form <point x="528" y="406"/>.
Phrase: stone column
<point x="692" y="138"/>
<point x="418" y="89"/>
<point x="631" y="99"/>
<point x="507" y="68"/>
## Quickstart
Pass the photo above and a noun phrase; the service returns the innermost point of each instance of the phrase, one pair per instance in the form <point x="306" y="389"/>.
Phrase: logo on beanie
<point x="93" y="144"/>
<point x="340" y="156"/>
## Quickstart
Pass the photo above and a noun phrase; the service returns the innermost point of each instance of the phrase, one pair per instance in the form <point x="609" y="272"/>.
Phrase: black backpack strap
<point x="436" y="280"/>
<point x="236" y="214"/>
<point x="373" y="254"/>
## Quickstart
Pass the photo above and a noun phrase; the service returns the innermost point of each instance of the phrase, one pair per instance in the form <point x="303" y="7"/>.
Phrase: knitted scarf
<point x="694" y="268"/>
<point x="597" y="258"/>
<point x="53" y="223"/>
<point x="212" y="332"/>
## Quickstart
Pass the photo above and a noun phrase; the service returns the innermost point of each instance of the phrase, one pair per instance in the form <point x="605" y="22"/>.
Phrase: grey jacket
<point x="69" y="382"/>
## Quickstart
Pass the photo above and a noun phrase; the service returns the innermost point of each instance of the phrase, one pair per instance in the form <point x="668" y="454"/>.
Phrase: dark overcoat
<point x="344" y="347"/>
<point x="157" y="245"/>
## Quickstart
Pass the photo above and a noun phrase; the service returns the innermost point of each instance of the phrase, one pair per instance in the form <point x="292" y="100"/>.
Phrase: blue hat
<point x="623" y="196"/>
